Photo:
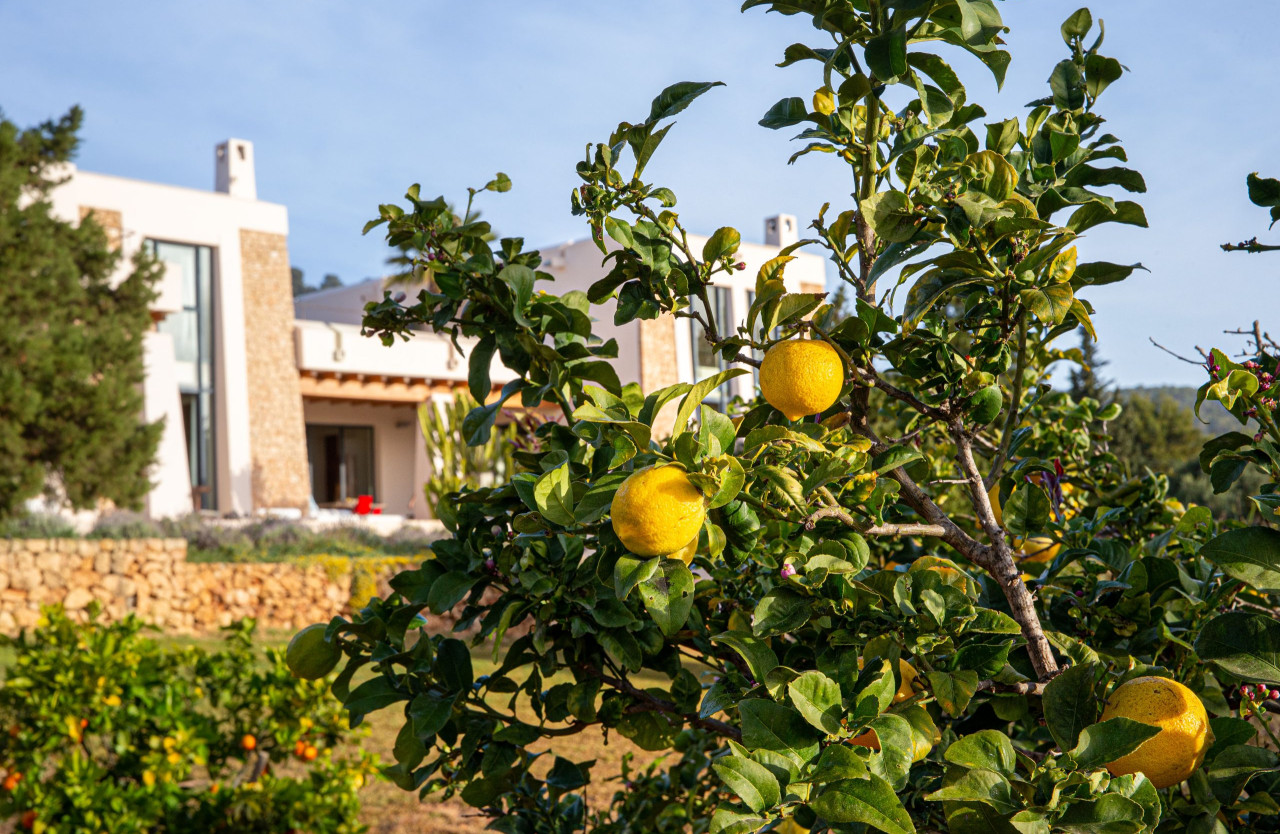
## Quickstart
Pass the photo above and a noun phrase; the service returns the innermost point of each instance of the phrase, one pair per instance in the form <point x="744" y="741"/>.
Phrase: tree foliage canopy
<point x="71" y="352"/>
<point x="892" y="527"/>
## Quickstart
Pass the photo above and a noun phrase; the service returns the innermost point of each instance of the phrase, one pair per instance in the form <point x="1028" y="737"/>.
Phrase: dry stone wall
<point x="153" y="579"/>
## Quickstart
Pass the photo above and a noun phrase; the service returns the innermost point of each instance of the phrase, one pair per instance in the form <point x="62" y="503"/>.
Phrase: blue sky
<point x="348" y="103"/>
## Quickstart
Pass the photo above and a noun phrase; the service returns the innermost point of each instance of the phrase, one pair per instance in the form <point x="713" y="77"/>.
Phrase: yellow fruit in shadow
<point x="948" y="570"/>
<point x="1174" y="754"/>
<point x="686" y="553"/>
<point x="1036" y="549"/>
<point x="993" y="495"/>
<point x="801" y="377"/>
<point x="658" y="511"/>
<point x="919" y="747"/>
<point x="907" y="675"/>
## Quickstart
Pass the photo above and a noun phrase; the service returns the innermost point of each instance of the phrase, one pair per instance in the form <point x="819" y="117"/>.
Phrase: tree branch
<point x="997" y="560"/>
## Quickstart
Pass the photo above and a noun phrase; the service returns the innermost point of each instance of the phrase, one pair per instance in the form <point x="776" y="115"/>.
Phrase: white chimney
<point x="235" y="169"/>
<point x="780" y="231"/>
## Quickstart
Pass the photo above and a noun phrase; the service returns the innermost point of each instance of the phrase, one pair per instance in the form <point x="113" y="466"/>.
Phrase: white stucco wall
<point x="208" y="218"/>
<point x="170" y="495"/>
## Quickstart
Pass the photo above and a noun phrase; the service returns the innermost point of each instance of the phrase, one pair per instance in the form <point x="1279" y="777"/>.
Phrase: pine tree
<point x="71" y="343"/>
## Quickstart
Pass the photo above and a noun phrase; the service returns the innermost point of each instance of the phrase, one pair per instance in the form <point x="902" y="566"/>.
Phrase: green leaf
<point x="1067" y="84"/>
<point x="668" y="595"/>
<point x="677" y="97"/>
<point x="839" y="761"/>
<point x="1098" y="273"/>
<point x="767" y="725"/>
<point x="1095" y="213"/>
<point x="753" y="782"/>
<point x="500" y="182"/>
<point x="1110" y="814"/>
<point x="993" y="175"/>
<point x="1050" y="304"/>
<point x="1077" y="25"/>
<point x="1244" y="644"/>
<point x="980" y="785"/>
<point x="371" y="696"/>
<point x="1249" y="554"/>
<point x="891" y="215"/>
<point x="630" y="572"/>
<point x="1070" y="704"/>
<point x="581" y="700"/>
<point x="886" y="54"/>
<point x="723" y="242"/>
<point x="699" y="392"/>
<point x="553" y="493"/>
<point x="787" y="112"/>
<point x="448" y="591"/>
<point x="1027" y="510"/>
<point x="1263" y="191"/>
<point x="990" y="749"/>
<point x="893" y="762"/>
<point x="780" y="611"/>
<point x="759" y="657"/>
<point x="871" y="801"/>
<point x="728" y="821"/>
<point x="520" y="278"/>
<point x="1109" y="740"/>
<point x="817" y="697"/>
<point x="893" y="457"/>
<point x="1230" y="771"/>
<point x="478" y="365"/>
<point x="953" y="690"/>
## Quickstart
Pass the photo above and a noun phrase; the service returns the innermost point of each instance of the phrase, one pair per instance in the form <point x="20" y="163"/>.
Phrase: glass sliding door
<point x="192" y="330"/>
<point x="341" y="459"/>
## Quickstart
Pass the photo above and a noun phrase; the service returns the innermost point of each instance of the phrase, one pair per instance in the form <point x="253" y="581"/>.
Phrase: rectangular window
<point x="707" y="362"/>
<point x="191" y="329"/>
<point x="341" y="460"/>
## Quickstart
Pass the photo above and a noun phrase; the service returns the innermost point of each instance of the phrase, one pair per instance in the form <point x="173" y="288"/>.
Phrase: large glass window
<point x="707" y="362"/>
<point x="192" y="331"/>
<point x="341" y="459"/>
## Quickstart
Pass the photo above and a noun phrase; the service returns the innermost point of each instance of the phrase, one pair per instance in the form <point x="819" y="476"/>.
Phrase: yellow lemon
<point x="686" y="553"/>
<point x="919" y="747"/>
<point x="657" y="511"/>
<point x="1036" y="549"/>
<point x="801" y="377"/>
<point x="1174" y="754"/>
<point x="907" y="674"/>
<point x="993" y="495"/>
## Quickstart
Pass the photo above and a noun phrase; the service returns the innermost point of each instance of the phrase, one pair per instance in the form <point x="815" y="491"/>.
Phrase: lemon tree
<point x="894" y="591"/>
<point x="104" y="728"/>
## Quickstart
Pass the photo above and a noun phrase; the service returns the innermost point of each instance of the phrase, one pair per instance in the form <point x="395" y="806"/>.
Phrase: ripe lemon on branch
<point x="801" y="377"/>
<point x="1173" y="754"/>
<point x="658" y="512"/>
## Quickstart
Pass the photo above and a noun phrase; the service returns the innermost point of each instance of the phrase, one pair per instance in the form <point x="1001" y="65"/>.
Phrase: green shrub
<point x="36" y="526"/>
<point x="125" y="525"/>
<point x="454" y="464"/>
<point x="110" y="730"/>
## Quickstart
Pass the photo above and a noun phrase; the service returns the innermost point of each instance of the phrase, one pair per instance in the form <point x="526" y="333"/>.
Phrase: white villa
<point x="274" y="404"/>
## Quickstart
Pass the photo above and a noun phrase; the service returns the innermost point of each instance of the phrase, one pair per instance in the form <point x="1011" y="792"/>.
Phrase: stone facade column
<point x="277" y="432"/>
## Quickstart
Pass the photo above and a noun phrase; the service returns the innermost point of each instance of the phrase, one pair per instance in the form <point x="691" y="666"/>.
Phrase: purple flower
<point x="788" y="570"/>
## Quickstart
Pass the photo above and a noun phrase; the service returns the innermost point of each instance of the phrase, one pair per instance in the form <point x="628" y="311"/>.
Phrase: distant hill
<point x="1218" y="418"/>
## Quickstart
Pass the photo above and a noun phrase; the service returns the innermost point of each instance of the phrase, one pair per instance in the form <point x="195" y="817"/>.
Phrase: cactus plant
<point x="454" y="464"/>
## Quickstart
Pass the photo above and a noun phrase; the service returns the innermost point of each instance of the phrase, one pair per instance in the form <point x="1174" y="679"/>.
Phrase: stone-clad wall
<point x="152" y="578"/>
<point x="277" y="433"/>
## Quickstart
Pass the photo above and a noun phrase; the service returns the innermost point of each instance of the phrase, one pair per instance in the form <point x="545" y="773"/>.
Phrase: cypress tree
<point x="71" y="340"/>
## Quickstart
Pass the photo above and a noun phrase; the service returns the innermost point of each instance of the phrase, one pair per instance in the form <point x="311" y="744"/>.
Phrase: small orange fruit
<point x="310" y="753"/>
<point x="11" y="781"/>
<point x="248" y="742"/>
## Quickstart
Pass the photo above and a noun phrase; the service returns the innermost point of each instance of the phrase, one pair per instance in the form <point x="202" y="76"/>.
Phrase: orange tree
<point x="105" y="729"/>
<point x="904" y="611"/>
